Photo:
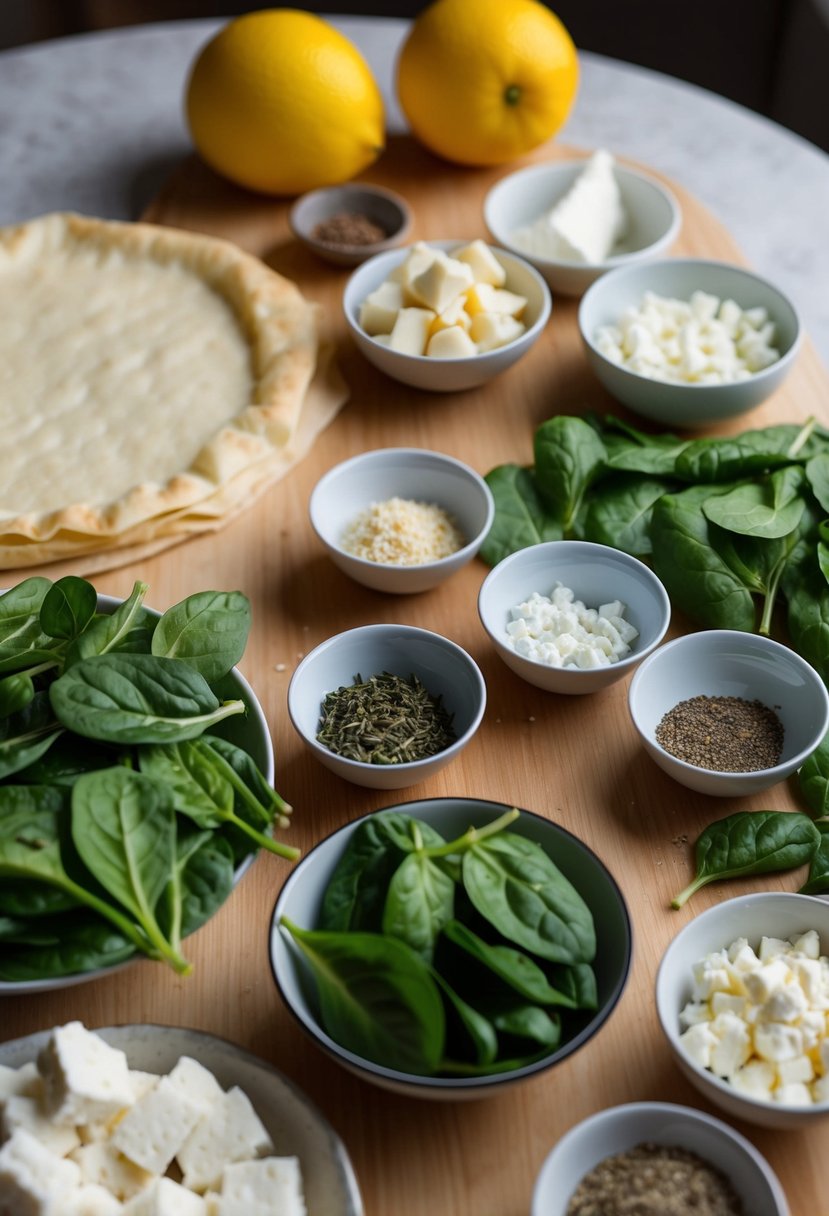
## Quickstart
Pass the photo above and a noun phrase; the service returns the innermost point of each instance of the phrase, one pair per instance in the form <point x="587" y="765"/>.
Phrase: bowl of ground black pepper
<point x="656" y="1159"/>
<point x="385" y="706"/>
<point x="347" y="224"/>
<point x="728" y="713"/>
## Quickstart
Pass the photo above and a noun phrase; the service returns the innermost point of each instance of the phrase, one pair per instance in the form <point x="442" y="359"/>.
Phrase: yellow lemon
<point x="279" y="101"/>
<point x="484" y="81"/>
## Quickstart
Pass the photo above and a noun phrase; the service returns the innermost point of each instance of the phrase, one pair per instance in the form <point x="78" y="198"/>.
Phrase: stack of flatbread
<point x="152" y="383"/>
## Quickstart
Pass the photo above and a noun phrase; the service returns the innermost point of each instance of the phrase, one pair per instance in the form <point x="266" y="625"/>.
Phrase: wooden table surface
<point x="576" y="760"/>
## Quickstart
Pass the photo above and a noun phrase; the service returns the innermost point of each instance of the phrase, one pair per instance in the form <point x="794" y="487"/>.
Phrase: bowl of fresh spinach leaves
<point x="450" y="947"/>
<point x="136" y="777"/>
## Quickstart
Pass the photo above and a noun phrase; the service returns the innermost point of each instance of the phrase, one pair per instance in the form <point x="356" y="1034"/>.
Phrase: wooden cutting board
<point x="576" y="759"/>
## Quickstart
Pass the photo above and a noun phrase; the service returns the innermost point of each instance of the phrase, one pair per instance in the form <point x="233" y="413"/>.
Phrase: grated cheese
<point x="401" y="532"/>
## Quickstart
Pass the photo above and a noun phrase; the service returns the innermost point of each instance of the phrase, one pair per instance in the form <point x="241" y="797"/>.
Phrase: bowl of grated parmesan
<point x="401" y="520"/>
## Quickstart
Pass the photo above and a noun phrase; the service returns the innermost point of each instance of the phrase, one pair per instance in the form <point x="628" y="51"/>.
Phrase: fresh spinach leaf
<point x="620" y="511"/>
<point x="724" y="460"/>
<point x="818" y="880"/>
<point x="419" y="902"/>
<point x="27" y="735"/>
<point x="568" y="456"/>
<point x="518" y="889"/>
<point x="577" y="983"/>
<point x="814" y="779"/>
<point x="66" y="759"/>
<point x="25" y="897"/>
<point x="633" y="451"/>
<point x="68" y="607"/>
<point x="751" y="842"/>
<point x="255" y="800"/>
<point x="513" y="967"/>
<point x="85" y="943"/>
<point x="807" y="608"/>
<point x="377" y="997"/>
<point x="22" y="640"/>
<point x="129" y="627"/>
<point x="137" y="698"/>
<point x="529" y="1022"/>
<point x="461" y="1068"/>
<point x="201" y="881"/>
<point x="209" y="630"/>
<point x="16" y="692"/>
<point x="817" y="475"/>
<point x="768" y="508"/>
<point x="476" y="1030"/>
<point x="521" y="517"/>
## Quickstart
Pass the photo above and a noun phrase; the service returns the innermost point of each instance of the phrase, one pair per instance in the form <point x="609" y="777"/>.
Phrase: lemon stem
<point x="512" y="94"/>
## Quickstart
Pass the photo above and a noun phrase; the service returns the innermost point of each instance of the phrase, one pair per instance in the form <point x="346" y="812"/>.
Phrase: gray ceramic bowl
<point x="780" y="914"/>
<point x="301" y="898"/>
<point x="728" y="662"/>
<point x="687" y="405"/>
<point x="520" y="198"/>
<point x="623" y="1127"/>
<point x="447" y="375"/>
<point x="383" y="207"/>
<point x="597" y="574"/>
<point x="295" y="1125"/>
<point x="249" y="731"/>
<point x="410" y="473"/>
<point x="442" y="667"/>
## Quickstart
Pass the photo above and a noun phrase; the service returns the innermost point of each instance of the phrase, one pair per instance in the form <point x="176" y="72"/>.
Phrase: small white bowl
<point x="444" y="669"/>
<point x="687" y="405"/>
<point x="596" y="574"/>
<point x="447" y="375"/>
<point x="385" y="208"/>
<point x="730" y="663"/>
<point x="763" y="914"/>
<point x="621" y="1128"/>
<point x="519" y="199"/>
<point x="411" y="473"/>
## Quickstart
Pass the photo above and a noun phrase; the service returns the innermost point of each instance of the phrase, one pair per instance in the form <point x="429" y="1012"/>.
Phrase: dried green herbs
<point x="384" y="720"/>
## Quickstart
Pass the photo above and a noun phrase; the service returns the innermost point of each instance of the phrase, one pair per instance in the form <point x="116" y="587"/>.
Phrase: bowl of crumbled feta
<point x="446" y="315"/>
<point x="687" y="342"/>
<point x="401" y="520"/>
<point x="742" y="995"/>
<point x="572" y="616"/>
<point x="576" y="219"/>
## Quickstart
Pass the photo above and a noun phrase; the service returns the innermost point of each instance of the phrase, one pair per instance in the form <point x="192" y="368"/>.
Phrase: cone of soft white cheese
<point x="585" y="224"/>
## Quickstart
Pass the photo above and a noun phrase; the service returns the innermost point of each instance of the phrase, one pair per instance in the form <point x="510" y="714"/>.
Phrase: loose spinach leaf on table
<point x="814" y="778"/>
<point x="68" y="607"/>
<point x="818" y="881"/>
<point x="569" y="454"/>
<point x="807" y="608"/>
<point x="377" y="997"/>
<point x="751" y="842"/>
<point x="521" y="516"/>
<point x="420" y="900"/>
<point x="620" y="516"/>
<point x="209" y="629"/>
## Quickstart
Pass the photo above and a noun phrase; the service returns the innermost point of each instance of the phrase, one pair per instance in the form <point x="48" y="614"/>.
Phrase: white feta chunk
<point x="25" y="1081"/>
<point x="31" y="1178"/>
<point x="755" y="1079"/>
<point x="698" y="1043"/>
<point x="84" y="1079"/>
<point x="775" y="1042"/>
<point x="164" y="1197"/>
<point x="21" y="1112"/>
<point x="232" y="1131"/>
<point x="800" y="1070"/>
<point x="101" y="1164"/>
<point x="766" y="980"/>
<point x="154" y="1129"/>
<point x="808" y="944"/>
<point x="793" y="1095"/>
<point x="274" y="1183"/>
<point x="734" y="1045"/>
<point x="91" y="1201"/>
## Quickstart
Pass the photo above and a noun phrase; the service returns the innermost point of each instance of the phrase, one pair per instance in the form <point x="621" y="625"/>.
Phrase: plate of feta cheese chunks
<point x="145" y="1120"/>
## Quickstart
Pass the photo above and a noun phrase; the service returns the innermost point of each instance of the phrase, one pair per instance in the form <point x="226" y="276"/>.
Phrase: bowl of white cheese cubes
<point x="686" y="342"/>
<point x="572" y="616"/>
<point x="146" y="1120"/>
<point x="742" y="995"/>
<point x="446" y="315"/>
<point x="576" y="219"/>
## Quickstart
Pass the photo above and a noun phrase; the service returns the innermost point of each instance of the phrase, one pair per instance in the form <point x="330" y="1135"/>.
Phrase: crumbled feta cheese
<point x="560" y="631"/>
<point x="85" y="1080"/>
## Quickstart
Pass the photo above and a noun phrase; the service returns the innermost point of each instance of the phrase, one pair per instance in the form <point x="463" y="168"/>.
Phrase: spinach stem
<point x="229" y="773"/>
<point x="473" y="835"/>
<point x="802" y="436"/>
<point x="683" y="897"/>
<point x="266" y="842"/>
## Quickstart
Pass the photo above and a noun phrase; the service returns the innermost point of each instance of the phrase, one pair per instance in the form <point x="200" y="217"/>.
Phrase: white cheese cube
<point x="694" y="1013"/>
<point x="272" y="1182"/>
<point x="440" y="283"/>
<point x="21" y="1112"/>
<point x="698" y="1043"/>
<point x="774" y="1041"/>
<point x="101" y="1164"/>
<point x="411" y="330"/>
<point x="25" y="1081"/>
<point x="154" y="1129"/>
<point x="164" y="1197"/>
<point x="813" y="1028"/>
<point x="378" y="312"/>
<point x="710" y="975"/>
<point x="722" y="1002"/>
<point x="766" y="980"/>
<point x="32" y="1178"/>
<point x="820" y="1089"/>
<point x="490" y="330"/>
<point x="196" y="1082"/>
<point x="808" y="943"/>
<point x="787" y="1004"/>
<point x="770" y="947"/>
<point x="419" y="257"/>
<point x="232" y="1131"/>
<point x="793" y="1095"/>
<point x="797" y="1071"/>
<point x="733" y="1047"/>
<point x="755" y="1079"/>
<point x="84" y="1079"/>
<point x="484" y="265"/>
<point x="91" y="1201"/>
<point x="481" y="298"/>
<point x="451" y="343"/>
<point x="741" y="956"/>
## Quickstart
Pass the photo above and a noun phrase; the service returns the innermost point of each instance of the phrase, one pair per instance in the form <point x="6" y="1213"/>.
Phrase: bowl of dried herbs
<point x="386" y="705"/>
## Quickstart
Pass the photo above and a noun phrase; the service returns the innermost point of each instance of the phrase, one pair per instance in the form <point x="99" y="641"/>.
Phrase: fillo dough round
<point x="144" y="371"/>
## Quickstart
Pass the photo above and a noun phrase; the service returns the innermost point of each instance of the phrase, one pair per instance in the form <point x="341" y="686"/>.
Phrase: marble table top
<point x="94" y="123"/>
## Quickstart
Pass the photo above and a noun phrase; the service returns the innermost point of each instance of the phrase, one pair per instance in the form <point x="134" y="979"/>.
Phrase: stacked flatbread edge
<point x="293" y="392"/>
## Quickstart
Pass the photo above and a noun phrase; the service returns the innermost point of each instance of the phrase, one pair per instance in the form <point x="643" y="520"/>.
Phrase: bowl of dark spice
<point x="386" y="705"/>
<point x="728" y="713"/>
<point x="656" y="1159"/>
<point x="348" y="224"/>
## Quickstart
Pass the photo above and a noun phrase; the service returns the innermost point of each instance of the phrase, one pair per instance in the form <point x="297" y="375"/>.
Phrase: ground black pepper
<point x="654" y="1180"/>
<point x="348" y="228"/>
<point x="724" y="734"/>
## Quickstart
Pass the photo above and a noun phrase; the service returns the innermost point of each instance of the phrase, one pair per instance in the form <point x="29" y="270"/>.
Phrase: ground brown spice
<point x="348" y="228"/>
<point x="654" y="1180"/>
<point x="724" y="734"/>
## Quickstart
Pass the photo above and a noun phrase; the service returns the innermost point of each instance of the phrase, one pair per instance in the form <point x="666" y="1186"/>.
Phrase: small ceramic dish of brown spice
<point x="671" y="1159"/>
<point x="728" y="713"/>
<point x="348" y="224"/>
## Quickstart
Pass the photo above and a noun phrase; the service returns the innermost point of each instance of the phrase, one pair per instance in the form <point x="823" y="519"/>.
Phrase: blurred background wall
<point x="770" y="55"/>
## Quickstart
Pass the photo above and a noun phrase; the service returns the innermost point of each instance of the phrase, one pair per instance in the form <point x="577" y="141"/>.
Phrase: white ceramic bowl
<point x="301" y="898"/>
<point x="687" y="405"/>
<point x="730" y="663"/>
<point x="383" y="207"/>
<point x="596" y="574"/>
<point x="763" y="914"/>
<point x="295" y="1125"/>
<point x="250" y="731"/>
<point x="623" y="1127"/>
<point x="411" y="473"/>
<point x="447" y="375"/>
<point x="519" y="199"/>
<point x="444" y="669"/>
